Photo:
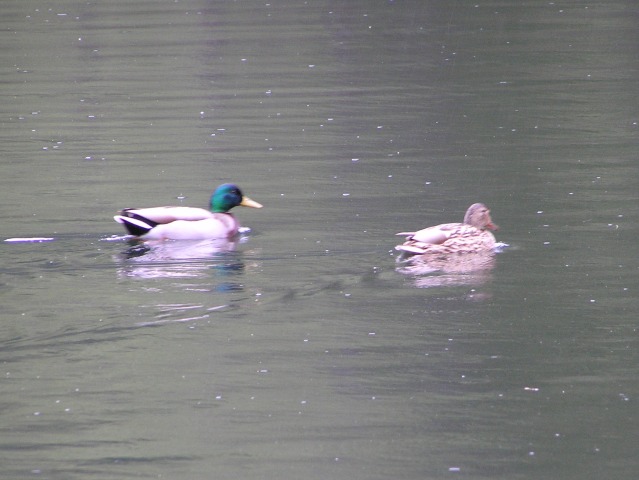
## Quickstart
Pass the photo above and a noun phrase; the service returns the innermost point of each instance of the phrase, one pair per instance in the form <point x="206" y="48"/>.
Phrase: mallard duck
<point x="440" y="241"/>
<point x="188" y="223"/>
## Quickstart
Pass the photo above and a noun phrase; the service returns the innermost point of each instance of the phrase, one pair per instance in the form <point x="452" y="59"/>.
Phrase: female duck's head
<point x="478" y="216"/>
<point x="227" y="196"/>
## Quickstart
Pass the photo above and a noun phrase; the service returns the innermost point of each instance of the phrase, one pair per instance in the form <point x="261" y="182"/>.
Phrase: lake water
<point x="300" y="352"/>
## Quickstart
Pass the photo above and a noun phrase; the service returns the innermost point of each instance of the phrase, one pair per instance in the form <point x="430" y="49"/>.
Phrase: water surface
<point x="300" y="351"/>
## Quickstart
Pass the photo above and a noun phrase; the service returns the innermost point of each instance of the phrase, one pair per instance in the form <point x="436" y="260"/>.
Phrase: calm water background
<point x="303" y="353"/>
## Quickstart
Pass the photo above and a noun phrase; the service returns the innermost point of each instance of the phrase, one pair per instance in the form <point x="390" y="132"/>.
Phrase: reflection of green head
<point x="227" y="196"/>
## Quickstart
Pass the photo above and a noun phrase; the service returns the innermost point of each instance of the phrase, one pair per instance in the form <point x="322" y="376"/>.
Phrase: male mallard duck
<point x="439" y="241"/>
<point x="188" y="223"/>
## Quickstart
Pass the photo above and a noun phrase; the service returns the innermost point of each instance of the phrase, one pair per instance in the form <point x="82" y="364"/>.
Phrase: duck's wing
<point x="427" y="240"/>
<point x="433" y="235"/>
<point x="163" y="215"/>
<point x="141" y="221"/>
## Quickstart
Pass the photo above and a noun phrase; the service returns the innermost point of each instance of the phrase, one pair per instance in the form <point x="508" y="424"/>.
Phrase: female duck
<point x="188" y="223"/>
<point x="447" y="239"/>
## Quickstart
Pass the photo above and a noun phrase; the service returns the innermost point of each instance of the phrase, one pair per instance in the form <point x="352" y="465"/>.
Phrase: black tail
<point x="135" y="224"/>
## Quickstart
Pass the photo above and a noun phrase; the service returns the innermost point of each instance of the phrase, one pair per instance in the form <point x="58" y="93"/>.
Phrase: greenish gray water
<point x="302" y="352"/>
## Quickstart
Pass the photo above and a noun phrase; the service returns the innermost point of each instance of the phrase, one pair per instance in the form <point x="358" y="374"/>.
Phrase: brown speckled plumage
<point x="447" y="241"/>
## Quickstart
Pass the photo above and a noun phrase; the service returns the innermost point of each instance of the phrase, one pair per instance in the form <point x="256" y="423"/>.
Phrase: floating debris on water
<point x="29" y="239"/>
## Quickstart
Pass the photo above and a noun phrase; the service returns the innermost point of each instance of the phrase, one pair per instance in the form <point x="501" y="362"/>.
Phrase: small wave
<point x="116" y="238"/>
<point x="501" y="246"/>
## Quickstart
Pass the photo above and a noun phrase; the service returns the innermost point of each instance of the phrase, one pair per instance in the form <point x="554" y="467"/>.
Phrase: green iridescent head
<point x="227" y="196"/>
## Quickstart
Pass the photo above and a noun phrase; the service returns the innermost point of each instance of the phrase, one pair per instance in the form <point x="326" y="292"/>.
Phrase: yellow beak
<point x="247" y="202"/>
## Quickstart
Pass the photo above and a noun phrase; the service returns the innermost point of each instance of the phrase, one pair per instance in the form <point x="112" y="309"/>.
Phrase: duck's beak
<point x="490" y="225"/>
<point x="247" y="202"/>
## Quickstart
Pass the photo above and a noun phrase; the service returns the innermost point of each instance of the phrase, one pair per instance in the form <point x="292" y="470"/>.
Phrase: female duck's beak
<point x="490" y="225"/>
<point x="247" y="202"/>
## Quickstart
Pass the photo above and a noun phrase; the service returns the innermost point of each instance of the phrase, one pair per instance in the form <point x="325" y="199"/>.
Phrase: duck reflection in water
<point x="451" y="253"/>
<point x="163" y="250"/>
<point x="185" y="259"/>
